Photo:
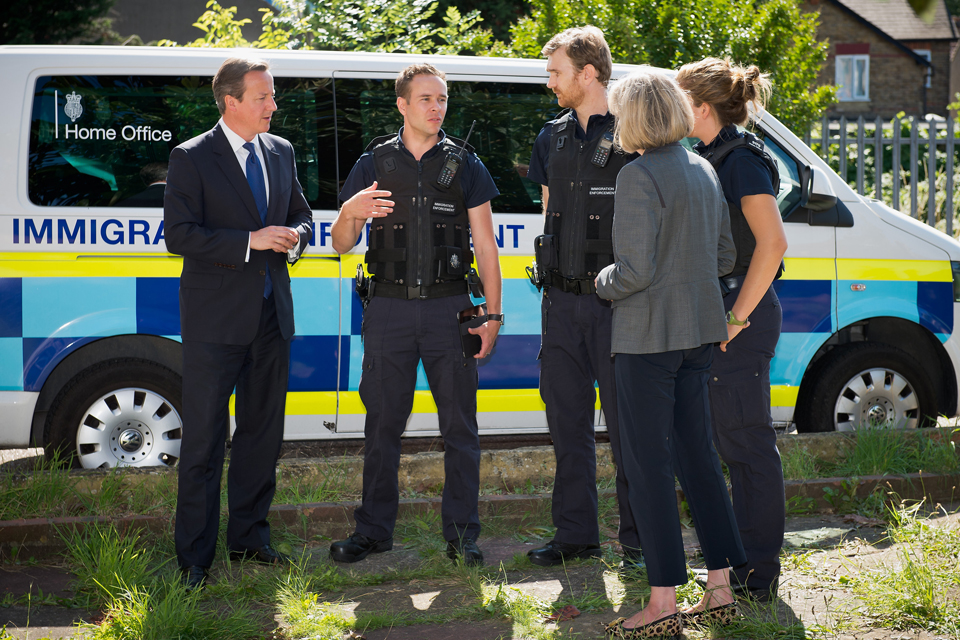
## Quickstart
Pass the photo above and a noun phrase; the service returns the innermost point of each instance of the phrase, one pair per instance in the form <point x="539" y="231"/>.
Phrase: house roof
<point x="897" y="19"/>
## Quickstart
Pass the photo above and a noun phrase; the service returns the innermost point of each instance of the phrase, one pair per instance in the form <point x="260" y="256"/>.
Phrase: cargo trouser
<point x="746" y="440"/>
<point x="397" y="335"/>
<point x="574" y="356"/>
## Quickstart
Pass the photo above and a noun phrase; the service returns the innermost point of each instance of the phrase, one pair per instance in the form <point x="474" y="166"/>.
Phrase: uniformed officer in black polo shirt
<point x="576" y="162"/>
<point x="743" y="431"/>
<point x="426" y="196"/>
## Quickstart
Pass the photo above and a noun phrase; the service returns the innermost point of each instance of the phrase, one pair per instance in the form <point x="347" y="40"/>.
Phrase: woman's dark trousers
<point x="664" y="409"/>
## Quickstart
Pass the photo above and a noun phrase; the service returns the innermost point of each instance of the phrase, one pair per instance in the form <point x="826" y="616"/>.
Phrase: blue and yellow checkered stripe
<point x="51" y="304"/>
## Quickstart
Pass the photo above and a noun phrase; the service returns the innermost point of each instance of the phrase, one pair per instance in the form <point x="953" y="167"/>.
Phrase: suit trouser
<point x="746" y="440"/>
<point x="211" y="371"/>
<point x="397" y="335"/>
<point x="575" y="353"/>
<point x="664" y="423"/>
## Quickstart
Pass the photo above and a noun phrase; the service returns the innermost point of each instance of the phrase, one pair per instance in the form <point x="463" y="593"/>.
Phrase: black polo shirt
<point x="476" y="182"/>
<point x="742" y="173"/>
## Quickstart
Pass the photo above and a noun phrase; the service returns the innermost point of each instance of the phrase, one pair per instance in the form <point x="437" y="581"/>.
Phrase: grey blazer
<point x="671" y="242"/>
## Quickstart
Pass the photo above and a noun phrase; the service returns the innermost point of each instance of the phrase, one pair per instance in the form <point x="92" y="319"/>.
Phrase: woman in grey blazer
<point x="671" y="241"/>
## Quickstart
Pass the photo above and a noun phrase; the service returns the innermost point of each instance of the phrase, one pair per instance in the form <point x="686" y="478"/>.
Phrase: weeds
<point x="894" y="452"/>
<point x="799" y="464"/>
<point x="107" y="564"/>
<point x="168" y="611"/>
<point x="921" y="589"/>
<point x="526" y="612"/>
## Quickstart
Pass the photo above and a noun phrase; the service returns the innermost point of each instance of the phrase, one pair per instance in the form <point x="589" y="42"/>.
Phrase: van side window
<point x="789" y="196"/>
<point x="509" y="116"/>
<point x="100" y="141"/>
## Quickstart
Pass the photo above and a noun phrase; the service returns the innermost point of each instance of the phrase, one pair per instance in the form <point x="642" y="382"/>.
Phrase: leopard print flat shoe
<point x="668" y="627"/>
<point x="715" y="617"/>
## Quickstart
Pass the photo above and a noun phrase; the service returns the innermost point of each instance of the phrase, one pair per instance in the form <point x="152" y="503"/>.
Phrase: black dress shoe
<point x="466" y="549"/>
<point x="193" y="577"/>
<point x="554" y="553"/>
<point x="357" y="547"/>
<point x="264" y="555"/>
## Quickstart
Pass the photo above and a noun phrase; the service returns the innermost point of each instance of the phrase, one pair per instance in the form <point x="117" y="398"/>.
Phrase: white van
<point x="89" y="321"/>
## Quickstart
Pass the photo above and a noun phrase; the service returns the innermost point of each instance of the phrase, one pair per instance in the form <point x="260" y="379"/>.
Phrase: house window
<point x="925" y="54"/>
<point x="853" y="77"/>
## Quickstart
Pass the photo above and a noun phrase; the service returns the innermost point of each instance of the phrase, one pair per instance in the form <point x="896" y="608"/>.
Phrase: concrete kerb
<point x="42" y="536"/>
<point x="506" y="470"/>
<point x="503" y="469"/>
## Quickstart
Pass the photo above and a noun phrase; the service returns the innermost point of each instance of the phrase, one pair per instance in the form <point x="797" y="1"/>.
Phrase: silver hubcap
<point x="131" y="440"/>
<point x="877" y="398"/>
<point x="129" y="427"/>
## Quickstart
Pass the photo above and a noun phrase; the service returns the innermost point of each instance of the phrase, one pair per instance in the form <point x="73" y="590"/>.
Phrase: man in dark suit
<point x="234" y="209"/>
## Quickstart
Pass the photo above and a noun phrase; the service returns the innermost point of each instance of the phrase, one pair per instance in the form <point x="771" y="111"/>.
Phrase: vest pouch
<point x="546" y="253"/>
<point x="450" y="263"/>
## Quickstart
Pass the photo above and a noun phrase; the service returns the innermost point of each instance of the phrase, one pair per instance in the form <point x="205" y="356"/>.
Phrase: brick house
<point x="885" y="59"/>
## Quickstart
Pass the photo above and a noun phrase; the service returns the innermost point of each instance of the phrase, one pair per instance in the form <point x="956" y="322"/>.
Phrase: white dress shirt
<point x="236" y="143"/>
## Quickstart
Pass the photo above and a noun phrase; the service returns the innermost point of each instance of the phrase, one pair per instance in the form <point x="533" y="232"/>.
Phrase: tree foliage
<point x="51" y="21"/>
<point x="773" y="34"/>
<point x="348" y="25"/>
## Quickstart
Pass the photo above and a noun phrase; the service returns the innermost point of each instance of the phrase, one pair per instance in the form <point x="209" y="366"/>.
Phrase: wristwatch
<point x="732" y="319"/>
<point x="495" y="316"/>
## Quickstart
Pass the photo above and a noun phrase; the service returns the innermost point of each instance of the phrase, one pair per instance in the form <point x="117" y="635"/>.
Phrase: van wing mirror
<point x="819" y="205"/>
<point x="816" y="192"/>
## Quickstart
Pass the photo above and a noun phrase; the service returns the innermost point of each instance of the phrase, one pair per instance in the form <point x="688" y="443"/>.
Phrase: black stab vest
<point x="743" y="237"/>
<point x="426" y="239"/>
<point x="580" y="206"/>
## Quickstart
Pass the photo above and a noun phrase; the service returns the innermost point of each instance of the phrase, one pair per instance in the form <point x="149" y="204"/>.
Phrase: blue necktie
<point x="259" y="188"/>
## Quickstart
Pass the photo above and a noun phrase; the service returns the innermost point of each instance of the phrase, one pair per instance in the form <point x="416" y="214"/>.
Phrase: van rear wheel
<point x="123" y="412"/>
<point x="866" y="385"/>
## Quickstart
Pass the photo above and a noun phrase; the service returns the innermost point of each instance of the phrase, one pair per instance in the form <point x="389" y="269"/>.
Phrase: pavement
<point x="818" y="549"/>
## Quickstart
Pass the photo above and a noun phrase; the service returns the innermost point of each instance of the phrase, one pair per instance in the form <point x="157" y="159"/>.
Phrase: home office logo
<point x="73" y="109"/>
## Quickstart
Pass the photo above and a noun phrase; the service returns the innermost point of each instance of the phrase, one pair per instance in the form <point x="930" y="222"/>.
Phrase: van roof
<point x="206" y="61"/>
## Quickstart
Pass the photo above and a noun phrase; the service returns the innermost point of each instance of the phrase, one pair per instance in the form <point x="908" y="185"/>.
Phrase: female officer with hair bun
<point x="721" y="95"/>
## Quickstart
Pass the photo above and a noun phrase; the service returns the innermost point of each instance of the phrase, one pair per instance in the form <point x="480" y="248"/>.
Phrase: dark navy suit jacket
<point x="208" y="214"/>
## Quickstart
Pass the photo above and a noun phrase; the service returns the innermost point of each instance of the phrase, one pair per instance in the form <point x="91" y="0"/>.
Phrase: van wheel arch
<point x="924" y="349"/>
<point x="155" y="349"/>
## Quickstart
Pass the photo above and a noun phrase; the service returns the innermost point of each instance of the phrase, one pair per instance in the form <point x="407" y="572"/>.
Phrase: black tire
<point x="118" y="412"/>
<point x="854" y="371"/>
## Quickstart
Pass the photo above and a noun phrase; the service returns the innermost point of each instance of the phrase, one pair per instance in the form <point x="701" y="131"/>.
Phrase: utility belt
<point x="578" y="286"/>
<point x="730" y="283"/>
<point x="367" y="287"/>
<point x="422" y="292"/>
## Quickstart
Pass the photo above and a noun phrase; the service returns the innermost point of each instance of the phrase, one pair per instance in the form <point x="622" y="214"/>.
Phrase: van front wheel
<point x="123" y="412"/>
<point x="866" y="385"/>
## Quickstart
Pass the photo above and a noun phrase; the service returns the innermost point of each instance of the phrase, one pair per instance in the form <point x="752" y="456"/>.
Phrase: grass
<point x="894" y="452"/>
<point x="51" y="492"/>
<point x="921" y="590"/>
<point x="108" y="564"/>
<point x="876" y="452"/>
<point x="131" y="576"/>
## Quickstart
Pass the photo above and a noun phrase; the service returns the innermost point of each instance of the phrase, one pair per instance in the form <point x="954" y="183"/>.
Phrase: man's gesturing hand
<point x="279" y="239"/>
<point x="368" y="203"/>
